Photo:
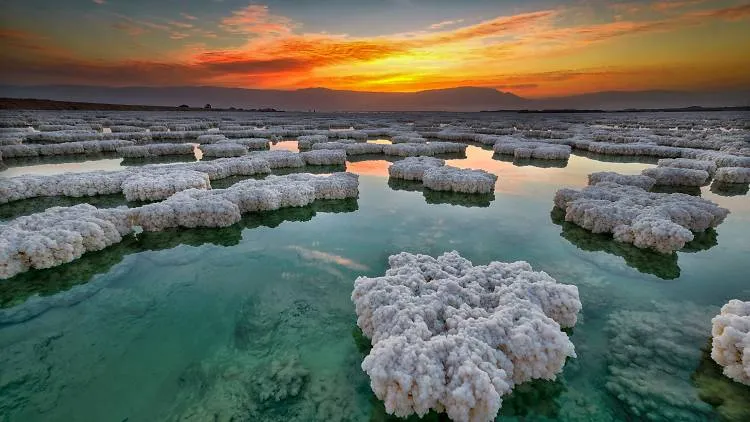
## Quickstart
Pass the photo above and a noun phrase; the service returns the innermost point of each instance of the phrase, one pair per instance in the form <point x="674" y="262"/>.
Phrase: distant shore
<point x="38" y="104"/>
<point x="41" y="104"/>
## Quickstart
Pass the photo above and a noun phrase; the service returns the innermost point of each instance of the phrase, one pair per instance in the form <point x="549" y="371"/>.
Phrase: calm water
<point x="254" y="322"/>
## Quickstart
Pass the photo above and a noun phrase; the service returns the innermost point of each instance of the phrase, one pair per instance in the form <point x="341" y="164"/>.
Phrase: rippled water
<point x="254" y="322"/>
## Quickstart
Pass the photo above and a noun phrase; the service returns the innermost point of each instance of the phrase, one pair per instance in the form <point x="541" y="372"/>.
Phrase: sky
<point x="532" y="48"/>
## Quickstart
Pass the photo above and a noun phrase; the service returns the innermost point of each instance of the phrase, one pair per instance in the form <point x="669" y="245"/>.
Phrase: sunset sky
<point x="532" y="48"/>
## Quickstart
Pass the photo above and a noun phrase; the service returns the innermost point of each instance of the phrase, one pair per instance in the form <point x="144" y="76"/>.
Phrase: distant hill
<point x="322" y="99"/>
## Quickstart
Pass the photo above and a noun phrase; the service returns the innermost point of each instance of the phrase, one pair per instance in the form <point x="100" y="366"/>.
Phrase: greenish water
<point x="254" y="322"/>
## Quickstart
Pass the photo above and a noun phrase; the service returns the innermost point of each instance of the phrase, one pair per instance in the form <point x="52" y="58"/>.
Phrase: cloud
<point x="254" y="47"/>
<point x="256" y="19"/>
<point x="100" y="2"/>
<point x="443" y="24"/>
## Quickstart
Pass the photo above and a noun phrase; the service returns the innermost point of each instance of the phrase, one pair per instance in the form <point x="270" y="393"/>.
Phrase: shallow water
<point x="255" y="321"/>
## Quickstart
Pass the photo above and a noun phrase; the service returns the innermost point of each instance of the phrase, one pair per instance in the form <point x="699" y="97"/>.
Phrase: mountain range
<point x="323" y="99"/>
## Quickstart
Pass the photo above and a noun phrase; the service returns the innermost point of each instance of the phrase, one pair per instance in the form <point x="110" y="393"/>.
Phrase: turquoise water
<point x="254" y="322"/>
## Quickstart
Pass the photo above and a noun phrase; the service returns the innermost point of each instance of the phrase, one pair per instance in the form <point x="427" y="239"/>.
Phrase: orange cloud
<point x="517" y="53"/>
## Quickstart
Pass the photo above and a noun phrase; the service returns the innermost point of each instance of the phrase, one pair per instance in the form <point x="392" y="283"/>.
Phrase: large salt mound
<point x="155" y="185"/>
<point x="58" y="235"/>
<point x="306" y="142"/>
<point x="415" y="149"/>
<point x="223" y="149"/>
<point x="687" y="163"/>
<point x="111" y="182"/>
<point x="324" y="157"/>
<point x="733" y="175"/>
<point x="67" y="148"/>
<point x="210" y="138"/>
<point x="454" y="337"/>
<point x="151" y="150"/>
<point x="251" y="143"/>
<point x="223" y="207"/>
<point x="731" y="340"/>
<point x="280" y="159"/>
<point x="351" y="148"/>
<point x="674" y="176"/>
<point x="538" y="150"/>
<point x="454" y="179"/>
<point x="413" y="168"/>
<point x="660" y="221"/>
<point x="643" y="182"/>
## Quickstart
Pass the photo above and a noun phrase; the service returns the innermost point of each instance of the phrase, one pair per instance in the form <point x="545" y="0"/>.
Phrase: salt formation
<point x="351" y="148"/>
<point x="210" y="138"/>
<point x="67" y="148"/>
<point x="223" y="207"/>
<point x="687" y="163"/>
<point x="643" y="182"/>
<point x="306" y="142"/>
<point x="538" y="150"/>
<point x="331" y="157"/>
<point x="405" y="139"/>
<point x="413" y="168"/>
<point x="280" y="159"/>
<point x="454" y="179"/>
<point x="731" y="340"/>
<point x="250" y="143"/>
<point x="432" y="148"/>
<point x="155" y="185"/>
<point x="733" y="175"/>
<point x="660" y="221"/>
<point x="151" y="150"/>
<point x="456" y="338"/>
<point x="674" y="176"/>
<point x="58" y="235"/>
<point x="111" y="182"/>
<point x="223" y="150"/>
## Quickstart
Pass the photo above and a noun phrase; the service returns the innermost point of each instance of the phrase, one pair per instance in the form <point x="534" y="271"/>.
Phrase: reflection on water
<point x="730" y="189"/>
<point x="646" y="261"/>
<point x="533" y="162"/>
<point x="15" y="209"/>
<point x="255" y="321"/>
<point x="442" y="197"/>
<point x="54" y="280"/>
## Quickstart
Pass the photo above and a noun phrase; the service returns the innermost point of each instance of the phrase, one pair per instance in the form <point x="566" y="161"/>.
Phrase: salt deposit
<point x="210" y="138"/>
<point x="249" y="143"/>
<point x="447" y="178"/>
<point x="156" y="185"/>
<point x="731" y="340"/>
<point x="111" y="182"/>
<point x="58" y="235"/>
<point x="223" y="207"/>
<point x="223" y="149"/>
<point x="660" y="221"/>
<point x="643" y="182"/>
<point x="306" y="142"/>
<point x="413" y="168"/>
<point x="280" y="159"/>
<point x="538" y="150"/>
<point x="454" y="337"/>
<point x="733" y="175"/>
<point x="688" y="163"/>
<point x="674" y="176"/>
<point x="324" y="157"/>
<point x="152" y="150"/>
<point x="416" y="149"/>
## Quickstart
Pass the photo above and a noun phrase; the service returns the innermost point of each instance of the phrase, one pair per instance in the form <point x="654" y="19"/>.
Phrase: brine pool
<point x="254" y="322"/>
